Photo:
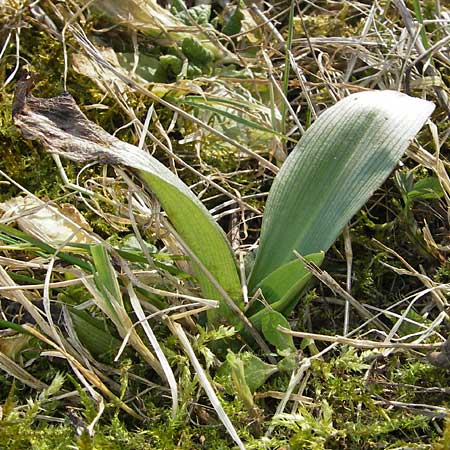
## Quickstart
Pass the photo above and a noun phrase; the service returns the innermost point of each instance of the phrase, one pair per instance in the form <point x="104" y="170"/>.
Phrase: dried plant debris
<point x="61" y="126"/>
<point x="441" y="358"/>
<point x="53" y="225"/>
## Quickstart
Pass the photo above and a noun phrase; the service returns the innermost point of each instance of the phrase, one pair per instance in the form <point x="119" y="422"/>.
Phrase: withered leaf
<point x="63" y="129"/>
<point x="442" y="358"/>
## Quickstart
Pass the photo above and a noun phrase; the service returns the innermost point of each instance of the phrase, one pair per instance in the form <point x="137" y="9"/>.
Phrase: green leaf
<point x="199" y="14"/>
<point x="281" y="341"/>
<point x="105" y="275"/>
<point x="426" y="189"/>
<point x="177" y="5"/>
<point x="196" y="52"/>
<point x="337" y="165"/>
<point x="13" y="326"/>
<point x="146" y="68"/>
<point x="94" y="334"/>
<point x="283" y="284"/>
<point x="234" y="24"/>
<point x="282" y="289"/>
<point x="199" y="230"/>
<point x="106" y="279"/>
<point x="288" y="363"/>
<point x="193" y="223"/>
<point x="168" y="69"/>
<point x="48" y="249"/>
<point x="239" y="380"/>
<point x="256" y="371"/>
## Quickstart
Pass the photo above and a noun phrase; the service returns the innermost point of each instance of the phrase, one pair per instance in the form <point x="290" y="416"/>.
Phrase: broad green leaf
<point x="177" y="5"/>
<point x="426" y="189"/>
<point x="337" y="165"/>
<point x="269" y="325"/>
<point x="199" y="14"/>
<point x="146" y="68"/>
<point x="94" y="334"/>
<point x="200" y="232"/>
<point x="286" y="303"/>
<point x="88" y="142"/>
<point x="196" y="52"/>
<point x="169" y="67"/>
<point x="288" y="363"/>
<point x="282" y="289"/>
<point x="160" y="23"/>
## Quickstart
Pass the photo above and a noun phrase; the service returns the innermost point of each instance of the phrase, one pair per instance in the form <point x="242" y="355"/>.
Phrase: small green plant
<point x="334" y="169"/>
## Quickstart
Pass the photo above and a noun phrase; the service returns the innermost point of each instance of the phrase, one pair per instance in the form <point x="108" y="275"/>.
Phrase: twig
<point x="359" y="343"/>
<point x="325" y="278"/>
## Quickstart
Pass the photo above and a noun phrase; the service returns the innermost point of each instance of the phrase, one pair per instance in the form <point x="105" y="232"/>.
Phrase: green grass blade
<point x="201" y="103"/>
<point x="334" y="169"/>
<point x="106" y="279"/>
<point x="48" y="249"/>
<point x="13" y="326"/>
<point x="419" y="17"/>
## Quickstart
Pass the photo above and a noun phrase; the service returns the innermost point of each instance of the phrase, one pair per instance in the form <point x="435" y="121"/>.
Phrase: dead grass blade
<point x="178" y="331"/>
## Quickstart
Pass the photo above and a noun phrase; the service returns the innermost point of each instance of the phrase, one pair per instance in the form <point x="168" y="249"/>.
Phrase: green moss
<point x="43" y="437"/>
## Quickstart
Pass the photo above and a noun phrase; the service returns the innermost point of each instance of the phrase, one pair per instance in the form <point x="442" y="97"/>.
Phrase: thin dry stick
<point x="355" y="56"/>
<point x="298" y="71"/>
<point x="434" y="48"/>
<point x="430" y="69"/>
<point x="280" y="395"/>
<point x="204" y="301"/>
<point x="82" y="373"/>
<point x="16" y="371"/>
<point x="87" y="374"/>
<point x="21" y="299"/>
<point x="146" y="132"/>
<point x="440" y="302"/>
<point x="325" y="278"/>
<point x="55" y="284"/>
<point x="423" y="408"/>
<point x="359" y="343"/>
<point x="155" y="344"/>
<point x="178" y="331"/>
<point x="349" y="261"/>
<point x="295" y="379"/>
